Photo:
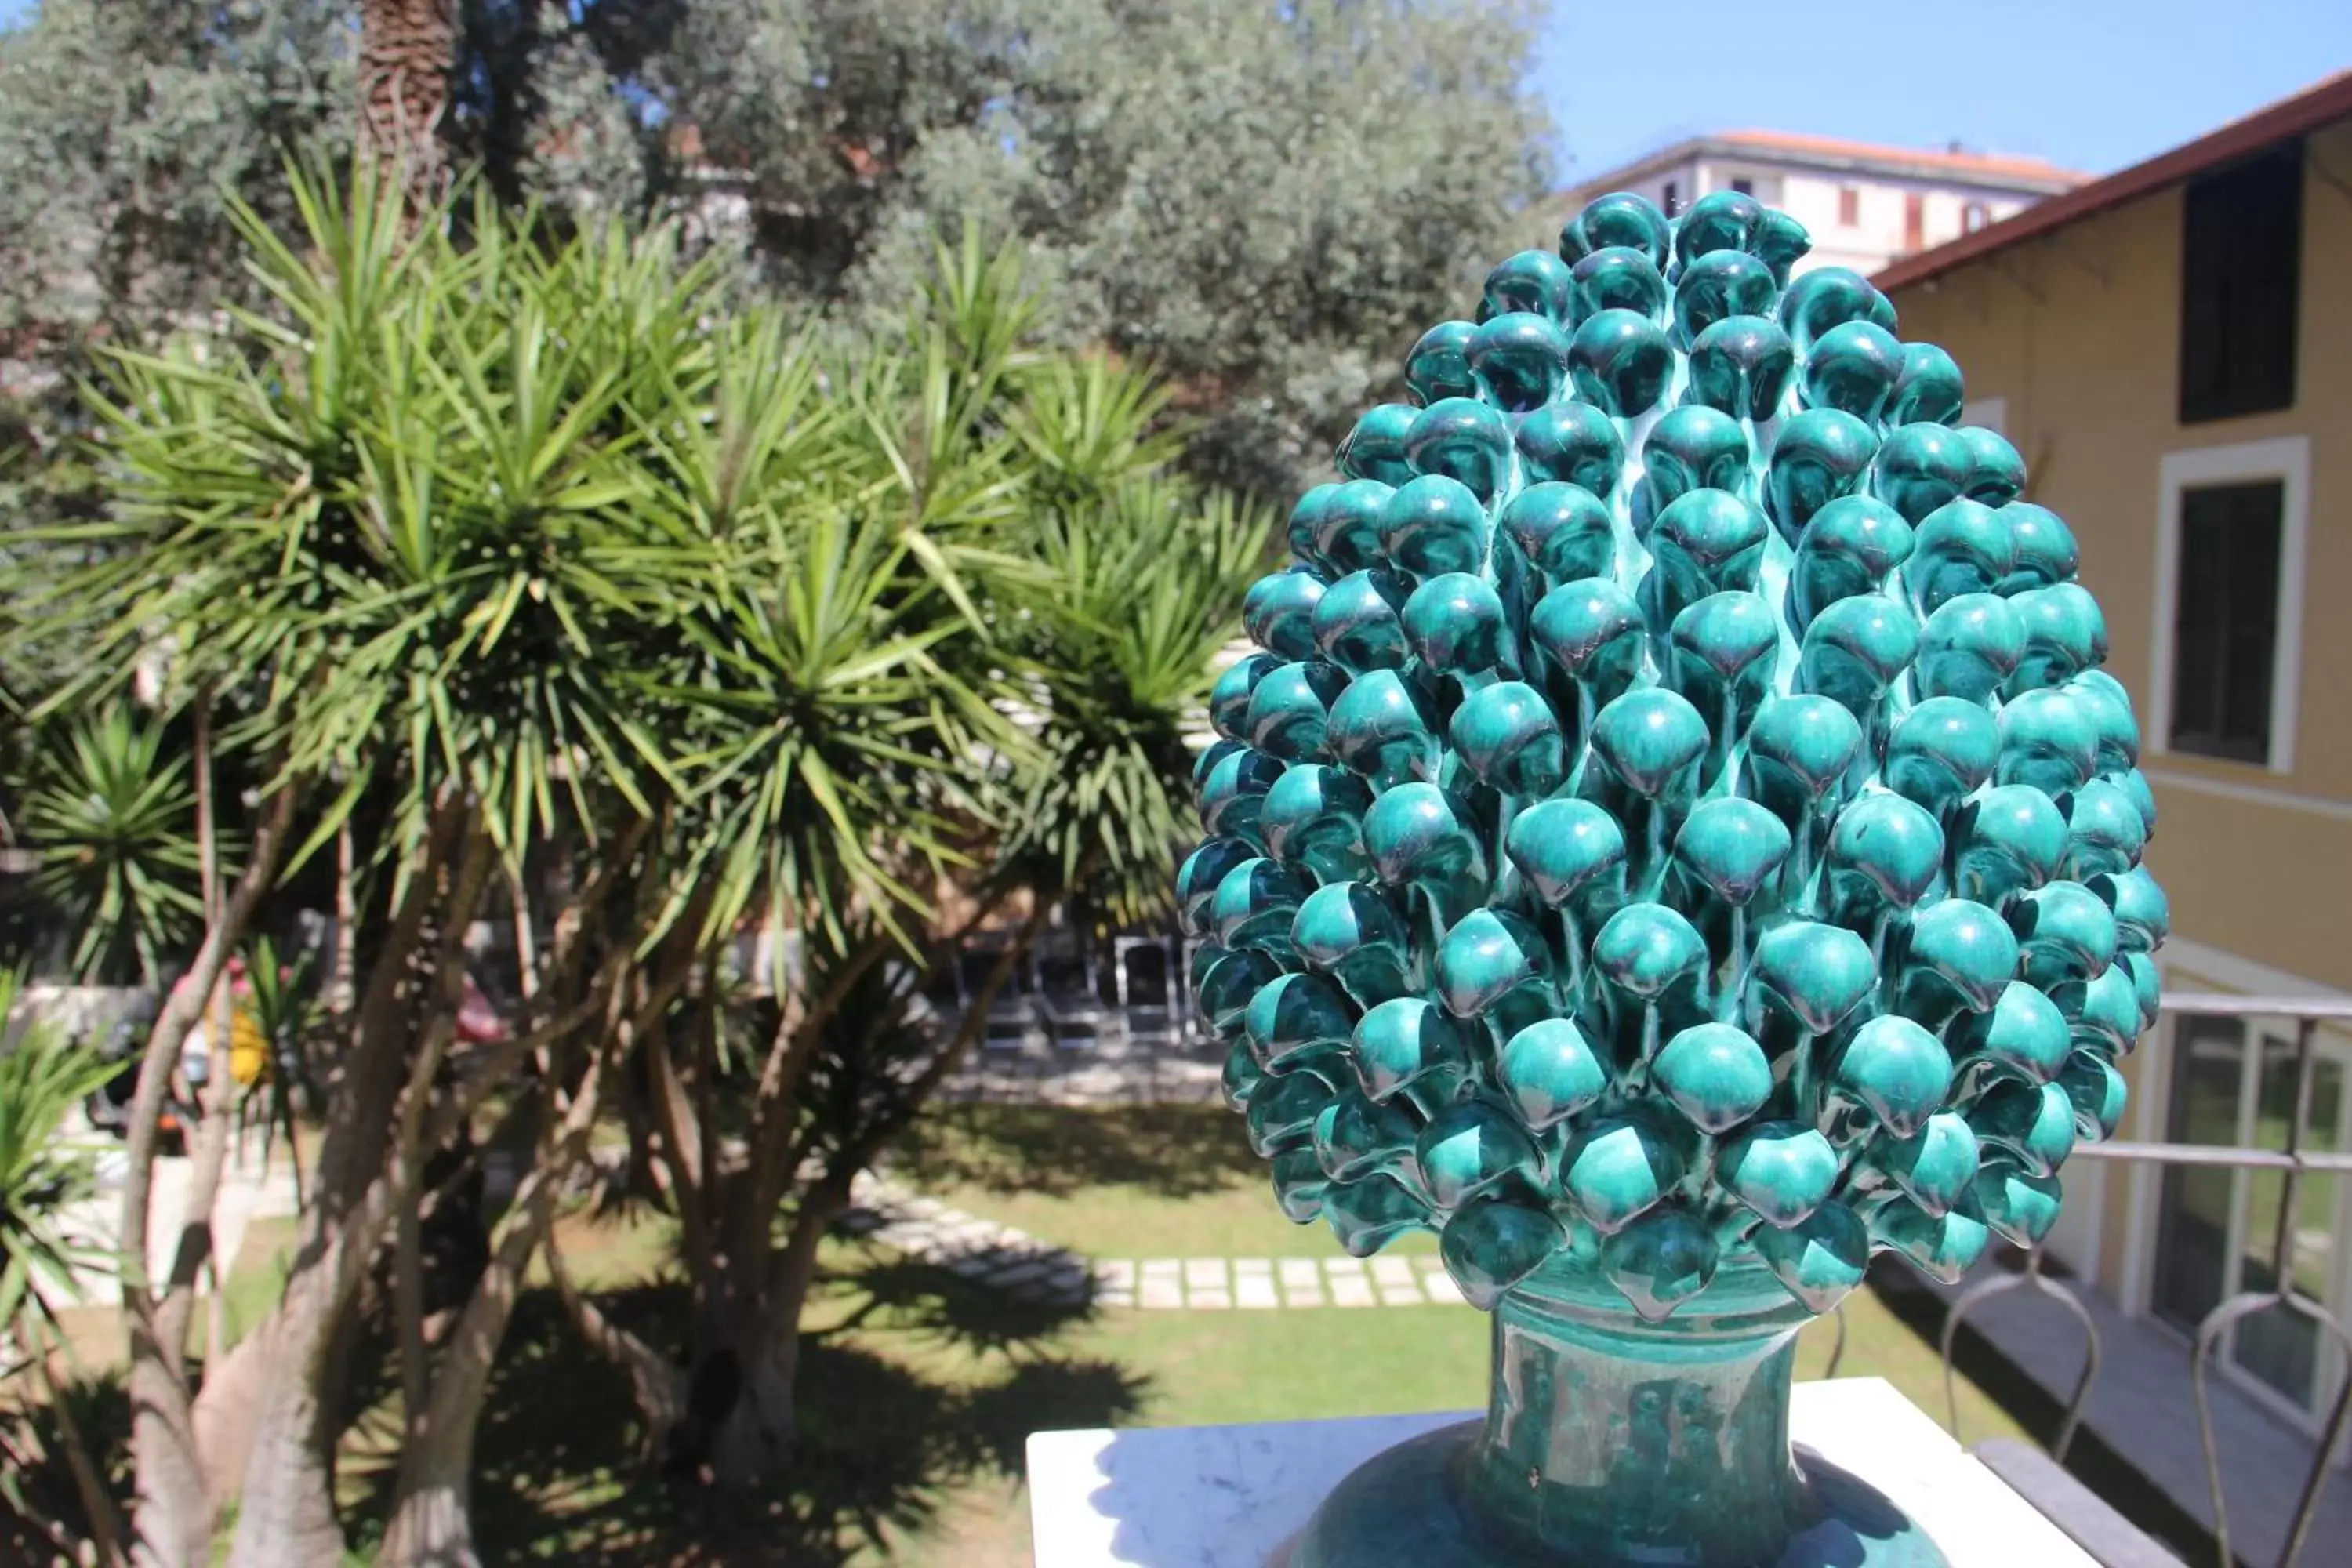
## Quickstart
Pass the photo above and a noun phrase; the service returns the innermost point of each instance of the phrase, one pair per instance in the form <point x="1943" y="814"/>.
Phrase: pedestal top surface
<point x="1232" y="1497"/>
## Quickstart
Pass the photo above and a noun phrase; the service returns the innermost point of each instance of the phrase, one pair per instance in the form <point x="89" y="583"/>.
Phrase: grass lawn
<point x="1147" y="1181"/>
<point x="919" y="1389"/>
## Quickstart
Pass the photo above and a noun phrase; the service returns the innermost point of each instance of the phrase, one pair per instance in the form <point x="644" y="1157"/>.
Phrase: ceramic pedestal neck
<point x="1610" y="1442"/>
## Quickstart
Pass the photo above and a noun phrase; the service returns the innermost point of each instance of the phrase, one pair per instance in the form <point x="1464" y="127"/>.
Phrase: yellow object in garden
<point x="248" y="1049"/>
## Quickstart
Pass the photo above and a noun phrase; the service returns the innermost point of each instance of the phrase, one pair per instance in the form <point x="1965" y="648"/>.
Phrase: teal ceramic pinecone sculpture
<point x="1677" y="812"/>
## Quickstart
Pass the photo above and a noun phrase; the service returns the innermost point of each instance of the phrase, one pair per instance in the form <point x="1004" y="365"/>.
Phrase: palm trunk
<point x="526" y="939"/>
<point x="406" y="50"/>
<point x="755" y="1437"/>
<point x="158" y="1385"/>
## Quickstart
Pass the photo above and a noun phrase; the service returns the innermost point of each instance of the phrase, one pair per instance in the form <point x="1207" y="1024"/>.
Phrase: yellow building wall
<point x="2078" y="331"/>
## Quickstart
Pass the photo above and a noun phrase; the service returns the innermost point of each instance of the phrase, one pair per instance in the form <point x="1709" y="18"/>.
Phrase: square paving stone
<point x="1117" y="1273"/>
<point x="1352" y="1292"/>
<point x="1300" y="1272"/>
<point x="1255" y="1291"/>
<point x="1204" y="1273"/>
<point x="1160" y="1294"/>
<point x="1389" y="1271"/>
<point x="1211" y="1300"/>
<point x="1442" y="1288"/>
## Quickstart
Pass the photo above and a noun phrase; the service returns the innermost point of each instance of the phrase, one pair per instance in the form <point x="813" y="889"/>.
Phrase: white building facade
<point x="1865" y="205"/>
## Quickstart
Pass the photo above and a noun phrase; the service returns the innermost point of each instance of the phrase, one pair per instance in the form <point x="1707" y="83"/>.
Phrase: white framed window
<point x="2227" y="637"/>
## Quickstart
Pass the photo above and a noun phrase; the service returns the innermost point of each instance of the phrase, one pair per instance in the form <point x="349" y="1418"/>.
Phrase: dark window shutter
<point x="2241" y="275"/>
<point x="2225" y="619"/>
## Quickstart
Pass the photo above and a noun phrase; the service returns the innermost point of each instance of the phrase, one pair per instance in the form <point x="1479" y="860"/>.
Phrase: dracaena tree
<point x="1022" y="746"/>
<point x="107" y="807"/>
<point x="392" y="511"/>
<point x="515" y="557"/>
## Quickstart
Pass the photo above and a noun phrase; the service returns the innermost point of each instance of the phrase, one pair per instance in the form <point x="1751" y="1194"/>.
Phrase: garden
<point x="556" y="595"/>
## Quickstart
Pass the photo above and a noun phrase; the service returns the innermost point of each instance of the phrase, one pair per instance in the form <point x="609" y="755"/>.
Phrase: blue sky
<point x="2091" y="84"/>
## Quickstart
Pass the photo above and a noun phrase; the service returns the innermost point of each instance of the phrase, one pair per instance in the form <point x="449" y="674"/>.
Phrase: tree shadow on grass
<point x="36" y="1481"/>
<point x="1176" y="1151"/>
<point x="931" y="1382"/>
<point x="930" y="1304"/>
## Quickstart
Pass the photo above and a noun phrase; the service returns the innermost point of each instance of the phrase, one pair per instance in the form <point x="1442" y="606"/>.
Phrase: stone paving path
<point x="1025" y="1267"/>
<point x="1264" y="1283"/>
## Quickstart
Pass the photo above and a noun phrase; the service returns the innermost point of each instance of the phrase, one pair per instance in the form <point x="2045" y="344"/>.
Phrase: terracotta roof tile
<point x="1997" y="164"/>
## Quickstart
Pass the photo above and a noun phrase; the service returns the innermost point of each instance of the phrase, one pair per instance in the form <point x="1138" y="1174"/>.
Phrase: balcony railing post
<point x="2292" y="1162"/>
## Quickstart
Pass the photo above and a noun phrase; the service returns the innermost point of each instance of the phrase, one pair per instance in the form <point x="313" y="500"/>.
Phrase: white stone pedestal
<point x="1232" y="1497"/>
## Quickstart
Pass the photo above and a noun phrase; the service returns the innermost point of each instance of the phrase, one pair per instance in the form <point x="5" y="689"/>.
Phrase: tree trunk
<point x="738" y="1425"/>
<point x="737" y="1428"/>
<point x="753" y="1440"/>
<point x="655" y="1384"/>
<point x="162" y="1409"/>
<point x="172" y="1515"/>
<point x="734" y="1425"/>
<point x="432" y="1513"/>
<point x="225" y="1409"/>
<point x="288" y="1514"/>
<point x="406" y="50"/>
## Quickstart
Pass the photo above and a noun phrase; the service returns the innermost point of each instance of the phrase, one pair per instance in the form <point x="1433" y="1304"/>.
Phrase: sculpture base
<point x="1407" y="1505"/>
<point x="1612" y="1441"/>
<point x="1238" y="1497"/>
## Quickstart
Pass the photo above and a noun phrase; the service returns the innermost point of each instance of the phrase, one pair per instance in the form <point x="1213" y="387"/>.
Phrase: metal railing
<point x="2294" y="1164"/>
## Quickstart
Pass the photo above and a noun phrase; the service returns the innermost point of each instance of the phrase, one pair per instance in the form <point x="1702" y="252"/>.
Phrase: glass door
<point x="2233" y="1082"/>
<point x="2193" y="1260"/>
<point x="2281" y="1348"/>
